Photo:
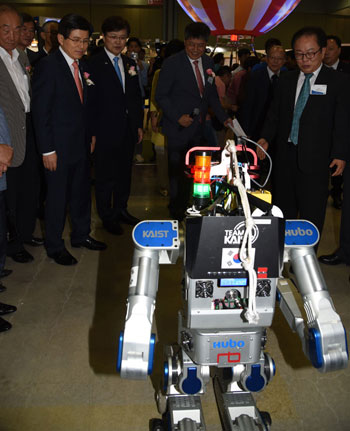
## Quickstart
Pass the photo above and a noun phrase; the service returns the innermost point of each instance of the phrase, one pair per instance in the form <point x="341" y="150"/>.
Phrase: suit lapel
<point x="188" y="72"/>
<point x="85" y="89"/>
<point x="7" y="78"/>
<point x="110" y="71"/>
<point x="67" y="74"/>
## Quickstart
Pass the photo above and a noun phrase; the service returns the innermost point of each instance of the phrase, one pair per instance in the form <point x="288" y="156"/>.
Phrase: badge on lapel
<point x="319" y="90"/>
<point x="211" y="75"/>
<point x="131" y="70"/>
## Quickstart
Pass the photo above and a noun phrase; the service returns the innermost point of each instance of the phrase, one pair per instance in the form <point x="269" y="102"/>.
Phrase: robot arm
<point x="323" y="336"/>
<point x="156" y="242"/>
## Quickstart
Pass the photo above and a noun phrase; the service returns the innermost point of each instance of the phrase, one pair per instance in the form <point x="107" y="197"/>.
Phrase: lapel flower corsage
<point x="29" y="70"/>
<point x="131" y="70"/>
<point x="87" y="79"/>
<point x="211" y="75"/>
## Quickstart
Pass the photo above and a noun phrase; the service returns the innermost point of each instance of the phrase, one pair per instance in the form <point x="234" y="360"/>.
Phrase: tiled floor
<point x="57" y="364"/>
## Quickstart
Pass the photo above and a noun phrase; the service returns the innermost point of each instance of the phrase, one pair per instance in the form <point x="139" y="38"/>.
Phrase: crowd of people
<point x="59" y="106"/>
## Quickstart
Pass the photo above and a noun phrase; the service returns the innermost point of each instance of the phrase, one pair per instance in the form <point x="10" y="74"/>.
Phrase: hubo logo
<point x="231" y="343"/>
<point x="299" y="232"/>
<point x="235" y="236"/>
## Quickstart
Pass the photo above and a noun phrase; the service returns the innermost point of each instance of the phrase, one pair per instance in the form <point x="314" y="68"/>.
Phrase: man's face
<point x="75" y="45"/>
<point x="10" y="28"/>
<point x="308" y="45"/>
<point x="276" y="58"/>
<point x="195" y="48"/>
<point x="332" y="52"/>
<point x="50" y="35"/>
<point x="134" y="47"/>
<point x="27" y="34"/>
<point x="115" y="41"/>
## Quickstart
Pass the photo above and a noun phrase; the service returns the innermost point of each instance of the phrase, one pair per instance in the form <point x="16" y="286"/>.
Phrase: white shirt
<point x="301" y="80"/>
<point x="200" y="67"/>
<point x="269" y="71"/>
<point x="334" y="66"/>
<point x="18" y="76"/>
<point x="120" y="64"/>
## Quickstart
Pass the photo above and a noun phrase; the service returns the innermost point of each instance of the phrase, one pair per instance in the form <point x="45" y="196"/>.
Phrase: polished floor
<point x="57" y="363"/>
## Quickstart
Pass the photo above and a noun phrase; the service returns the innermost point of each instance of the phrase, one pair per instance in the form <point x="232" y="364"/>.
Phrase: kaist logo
<point x="235" y="236"/>
<point x="155" y="234"/>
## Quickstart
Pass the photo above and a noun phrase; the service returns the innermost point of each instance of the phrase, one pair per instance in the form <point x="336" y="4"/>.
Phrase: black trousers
<point x="113" y="170"/>
<point x="300" y="194"/>
<point x="22" y="194"/>
<point x="3" y="239"/>
<point x="344" y="249"/>
<point x="68" y="188"/>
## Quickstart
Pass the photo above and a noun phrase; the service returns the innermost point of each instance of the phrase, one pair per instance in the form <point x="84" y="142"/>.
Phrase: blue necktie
<point x="116" y="67"/>
<point x="299" y="107"/>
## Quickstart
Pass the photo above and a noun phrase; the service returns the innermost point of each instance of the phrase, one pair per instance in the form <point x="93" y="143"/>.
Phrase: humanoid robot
<point x="233" y="261"/>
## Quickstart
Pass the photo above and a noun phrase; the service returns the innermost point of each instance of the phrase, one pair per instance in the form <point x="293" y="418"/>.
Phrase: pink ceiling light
<point x="252" y="17"/>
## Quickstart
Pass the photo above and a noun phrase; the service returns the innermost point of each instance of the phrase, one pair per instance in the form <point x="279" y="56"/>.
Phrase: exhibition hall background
<point x="169" y="20"/>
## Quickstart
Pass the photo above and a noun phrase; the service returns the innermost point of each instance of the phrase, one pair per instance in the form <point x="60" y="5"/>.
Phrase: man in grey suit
<point x="23" y="175"/>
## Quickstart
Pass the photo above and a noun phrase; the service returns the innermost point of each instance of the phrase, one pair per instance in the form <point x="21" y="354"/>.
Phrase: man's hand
<point x="140" y="135"/>
<point x="340" y="164"/>
<point x="92" y="144"/>
<point x="263" y="142"/>
<point x="3" y="169"/>
<point x="185" y="120"/>
<point x="50" y="162"/>
<point x="6" y="154"/>
<point x="228" y="122"/>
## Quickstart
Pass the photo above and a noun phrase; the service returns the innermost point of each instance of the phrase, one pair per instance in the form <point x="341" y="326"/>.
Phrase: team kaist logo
<point x="235" y="236"/>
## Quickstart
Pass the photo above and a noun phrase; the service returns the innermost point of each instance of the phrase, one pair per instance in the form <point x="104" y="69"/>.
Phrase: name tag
<point x="319" y="90"/>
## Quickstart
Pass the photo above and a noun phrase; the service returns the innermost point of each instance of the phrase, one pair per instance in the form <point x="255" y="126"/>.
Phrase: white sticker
<point x="319" y="90"/>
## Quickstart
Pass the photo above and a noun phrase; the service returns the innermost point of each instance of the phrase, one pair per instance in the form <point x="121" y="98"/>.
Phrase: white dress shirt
<point x="120" y="64"/>
<point x="301" y="80"/>
<point x="18" y="75"/>
<point x="200" y="66"/>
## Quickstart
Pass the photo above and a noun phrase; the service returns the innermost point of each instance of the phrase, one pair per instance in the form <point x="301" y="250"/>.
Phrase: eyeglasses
<point x="309" y="55"/>
<point x="119" y="38"/>
<point x="79" y="41"/>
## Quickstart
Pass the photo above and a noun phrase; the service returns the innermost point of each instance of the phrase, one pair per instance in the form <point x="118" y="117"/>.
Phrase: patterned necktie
<point x="117" y="69"/>
<point x="299" y="107"/>
<point x="199" y="78"/>
<point x="77" y="80"/>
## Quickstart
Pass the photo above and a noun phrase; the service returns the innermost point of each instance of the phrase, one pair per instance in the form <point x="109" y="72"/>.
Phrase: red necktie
<point x="199" y="78"/>
<point x="77" y="80"/>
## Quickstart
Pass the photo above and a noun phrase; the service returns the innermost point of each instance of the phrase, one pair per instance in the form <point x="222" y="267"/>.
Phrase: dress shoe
<point x="4" y="325"/>
<point x="331" y="259"/>
<point x="63" y="257"/>
<point x="127" y="218"/>
<point x="22" y="256"/>
<point x="5" y="272"/>
<point x="35" y="242"/>
<point x="113" y="227"/>
<point x="6" y="309"/>
<point x="91" y="244"/>
<point x="2" y="287"/>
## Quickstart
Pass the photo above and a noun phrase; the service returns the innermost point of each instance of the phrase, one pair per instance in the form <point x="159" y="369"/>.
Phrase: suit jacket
<point x="14" y="110"/>
<point x="324" y="124"/>
<point x="343" y="67"/>
<point x="115" y="111"/>
<point x="60" y="119"/>
<point x="178" y="93"/>
<point x="258" y="99"/>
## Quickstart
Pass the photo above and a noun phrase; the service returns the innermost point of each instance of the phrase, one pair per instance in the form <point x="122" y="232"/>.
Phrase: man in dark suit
<point x="119" y="120"/>
<point x="60" y="109"/>
<point x="308" y="124"/>
<point x="186" y="88"/>
<point x="260" y="88"/>
<point x="331" y="59"/>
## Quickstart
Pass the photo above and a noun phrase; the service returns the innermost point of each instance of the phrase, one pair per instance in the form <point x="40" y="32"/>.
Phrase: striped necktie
<point x="77" y="80"/>
<point x="299" y="108"/>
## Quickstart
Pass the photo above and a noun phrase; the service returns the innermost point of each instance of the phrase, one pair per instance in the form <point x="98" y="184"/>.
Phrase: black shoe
<point x="337" y="202"/>
<point x="331" y="259"/>
<point x="6" y="309"/>
<point x="4" y="325"/>
<point x="35" y="242"/>
<point x="22" y="256"/>
<point x="2" y="287"/>
<point x="91" y="244"/>
<point x="127" y="218"/>
<point x="63" y="257"/>
<point x="113" y="227"/>
<point x="5" y="272"/>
